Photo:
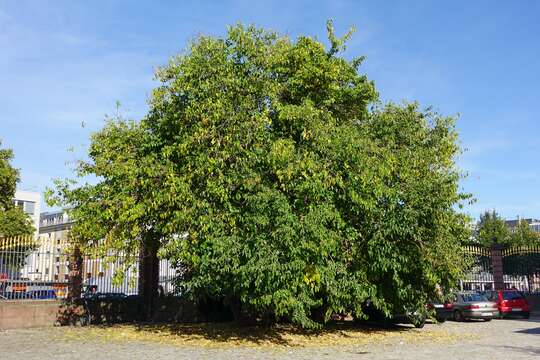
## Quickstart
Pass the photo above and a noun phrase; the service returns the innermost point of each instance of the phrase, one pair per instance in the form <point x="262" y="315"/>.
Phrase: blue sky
<point x="67" y="62"/>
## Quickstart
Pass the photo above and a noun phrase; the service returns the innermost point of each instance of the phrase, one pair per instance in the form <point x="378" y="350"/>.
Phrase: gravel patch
<point x="495" y="340"/>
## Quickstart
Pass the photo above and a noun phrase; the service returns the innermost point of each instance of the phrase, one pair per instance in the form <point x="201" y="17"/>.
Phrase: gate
<point x="499" y="267"/>
<point x="480" y="276"/>
<point x="521" y="266"/>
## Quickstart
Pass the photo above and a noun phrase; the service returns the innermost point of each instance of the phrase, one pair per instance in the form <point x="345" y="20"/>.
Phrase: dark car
<point x="510" y="302"/>
<point x="111" y="296"/>
<point x="418" y="319"/>
<point x="443" y="311"/>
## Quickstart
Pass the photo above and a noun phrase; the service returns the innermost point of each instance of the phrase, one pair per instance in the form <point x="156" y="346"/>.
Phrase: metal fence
<point x="480" y="276"/>
<point x="521" y="269"/>
<point x="522" y="264"/>
<point x="38" y="268"/>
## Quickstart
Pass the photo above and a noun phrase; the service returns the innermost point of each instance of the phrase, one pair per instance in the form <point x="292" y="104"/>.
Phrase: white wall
<point x="34" y="197"/>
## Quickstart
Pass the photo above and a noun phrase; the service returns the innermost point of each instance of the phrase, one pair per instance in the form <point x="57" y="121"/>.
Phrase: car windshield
<point x="474" y="297"/>
<point x="512" y="295"/>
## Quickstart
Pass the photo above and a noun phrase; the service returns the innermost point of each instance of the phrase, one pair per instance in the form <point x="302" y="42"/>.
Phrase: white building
<point x="48" y="262"/>
<point x="30" y="203"/>
<point x="534" y="224"/>
<point x="55" y="224"/>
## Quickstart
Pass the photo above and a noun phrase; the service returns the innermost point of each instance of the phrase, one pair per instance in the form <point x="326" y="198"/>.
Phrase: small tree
<point x="523" y="235"/>
<point x="491" y="229"/>
<point x="117" y="216"/>
<point x="13" y="221"/>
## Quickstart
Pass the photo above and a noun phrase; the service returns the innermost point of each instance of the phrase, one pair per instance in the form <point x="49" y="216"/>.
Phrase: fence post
<point x="497" y="264"/>
<point x="75" y="274"/>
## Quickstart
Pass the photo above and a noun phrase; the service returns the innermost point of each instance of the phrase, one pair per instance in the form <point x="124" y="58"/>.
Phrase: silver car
<point x="474" y="306"/>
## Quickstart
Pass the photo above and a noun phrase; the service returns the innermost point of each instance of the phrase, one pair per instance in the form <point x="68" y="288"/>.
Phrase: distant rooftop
<point x="534" y="224"/>
<point x="530" y="221"/>
<point x="54" y="221"/>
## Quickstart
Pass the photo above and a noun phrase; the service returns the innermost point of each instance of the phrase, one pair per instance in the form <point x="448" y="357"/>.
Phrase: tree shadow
<point x="532" y="331"/>
<point x="521" y="318"/>
<point x="530" y="350"/>
<point x="284" y="335"/>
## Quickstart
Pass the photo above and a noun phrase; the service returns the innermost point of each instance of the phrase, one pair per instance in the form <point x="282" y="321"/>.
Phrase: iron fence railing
<point x="33" y="268"/>
<point x="38" y="268"/>
<point x="524" y="263"/>
<point x="521" y="269"/>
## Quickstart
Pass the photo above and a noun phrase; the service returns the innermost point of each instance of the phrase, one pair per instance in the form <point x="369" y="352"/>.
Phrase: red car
<point x="510" y="302"/>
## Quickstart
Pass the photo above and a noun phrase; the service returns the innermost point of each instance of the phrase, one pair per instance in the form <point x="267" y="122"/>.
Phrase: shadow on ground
<point x="284" y="335"/>
<point x="529" y="350"/>
<point x="531" y="331"/>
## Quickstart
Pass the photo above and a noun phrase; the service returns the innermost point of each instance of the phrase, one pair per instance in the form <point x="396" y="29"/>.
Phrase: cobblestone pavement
<point x="498" y="339"/>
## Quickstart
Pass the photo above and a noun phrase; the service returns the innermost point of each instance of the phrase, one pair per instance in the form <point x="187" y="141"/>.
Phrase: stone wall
<point x="28" y="314"/>
<point x="44" y="313"/>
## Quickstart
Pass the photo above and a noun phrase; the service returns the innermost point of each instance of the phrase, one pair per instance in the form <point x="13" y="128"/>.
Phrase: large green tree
<point x="13" y="221"/>
<point x="269" y="171"/>
<point x="491" y="230"/>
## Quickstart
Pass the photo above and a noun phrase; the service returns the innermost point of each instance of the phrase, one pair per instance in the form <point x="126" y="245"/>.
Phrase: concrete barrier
<point x="28" y="314"/>
<point x="44" y="313"/>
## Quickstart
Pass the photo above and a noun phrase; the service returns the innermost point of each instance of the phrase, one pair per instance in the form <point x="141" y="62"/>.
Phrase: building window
<point x="29" y="207"/>
<point x="19" y="204"/>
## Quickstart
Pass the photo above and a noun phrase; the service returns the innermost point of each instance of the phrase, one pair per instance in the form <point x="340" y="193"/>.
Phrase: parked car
<point x="43" y="294"/>
<point x="14" y="295"/>
<point x="111" y="296"/>
<point x="405" y="317"/>
<point x="443" y="311"/>
<point x="510" y="302"/>
<point x="474" y="306"/>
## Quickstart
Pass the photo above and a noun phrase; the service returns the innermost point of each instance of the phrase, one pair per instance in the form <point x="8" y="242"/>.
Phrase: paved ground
<point x="499" y="339"/>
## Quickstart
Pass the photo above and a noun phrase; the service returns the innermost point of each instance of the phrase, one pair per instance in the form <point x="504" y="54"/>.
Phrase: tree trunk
<point x="75" y="274"/>
<point x="148" y="275"/>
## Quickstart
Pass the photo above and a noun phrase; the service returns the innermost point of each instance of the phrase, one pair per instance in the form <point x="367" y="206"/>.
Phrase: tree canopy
<point x="523" y="235"/>
<point x="13" y="221"/>
<point x="268" y="169"/>
<point x="491" y="229"/>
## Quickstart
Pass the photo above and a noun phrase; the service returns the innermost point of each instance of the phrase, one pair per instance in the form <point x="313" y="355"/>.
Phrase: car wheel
<point x="486" y="320"/>
<point x="458" y="316"/>
<point x="526" y="315"/>
<point x="387" y="323"/>
<point x="441" y="320"/>
<point x="85" y="320"/>
<point x="420" y="323"/>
